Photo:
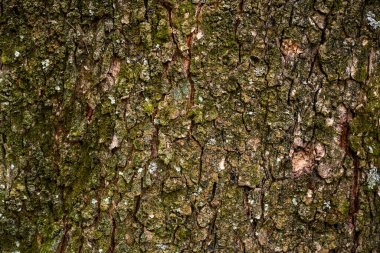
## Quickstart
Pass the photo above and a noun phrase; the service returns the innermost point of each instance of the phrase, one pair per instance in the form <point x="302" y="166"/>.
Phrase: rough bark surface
<point x="189" y="126"/>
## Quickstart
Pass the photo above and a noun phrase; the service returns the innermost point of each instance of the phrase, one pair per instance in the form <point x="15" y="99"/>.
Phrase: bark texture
<point x="189" y="126"/>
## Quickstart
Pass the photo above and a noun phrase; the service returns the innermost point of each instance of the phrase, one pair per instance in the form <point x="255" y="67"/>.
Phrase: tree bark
<point x="189" y="126"/>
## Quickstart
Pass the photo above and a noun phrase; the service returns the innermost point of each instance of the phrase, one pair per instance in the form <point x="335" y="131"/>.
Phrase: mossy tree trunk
<point x="189" y="126"/>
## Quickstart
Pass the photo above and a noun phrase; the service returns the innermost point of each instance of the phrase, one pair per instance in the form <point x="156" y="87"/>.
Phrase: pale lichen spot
<point x="177" y="168"/>
<point x="326" y="204"/>
<point x="375" y="24"/>
<point x="221" y="164"/>
<point x="199" y="35"/>
<point x="318" y="20"/>
<point x="309" y="193"/>
<point x="259" y="71"/>
<point x="162" y="246"/>
<point x="329" y="121"/>
<point x="112" y="99"/>
<point x="373" y="178"/>
<point x="115" y="143"/>
<point x="211" y="141"/>
<point x="152" y="167"/>
<point x="45" y="63"/>
<point x="318" y="246"/>
<point x="106" y="201"/>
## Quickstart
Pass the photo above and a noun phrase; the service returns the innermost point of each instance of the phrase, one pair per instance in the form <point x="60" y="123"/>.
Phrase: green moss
<point x="364" y="138"/>
<point x="183" y="233"/>
<point x="77" y="131"/>
<point x="138" y="144"/>
<point x="105" y="128"/>
<point x="83" y="171"/>
<point x="5" y="59"/>
<point x="361" y="73"/>
<point x="148" y="107"/>
<point x="211" y="114"/>
<point x="343" y="206"/>
<point x="196" y="114"/>
<point x="183" y="9"/>
<point x="162" y="34"/>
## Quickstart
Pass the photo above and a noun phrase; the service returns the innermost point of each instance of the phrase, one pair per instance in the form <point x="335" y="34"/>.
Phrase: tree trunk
<point x="189" y="126"/>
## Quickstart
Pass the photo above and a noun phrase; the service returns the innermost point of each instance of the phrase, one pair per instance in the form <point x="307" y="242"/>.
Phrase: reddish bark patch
<point x="304" y="159"/>
<point x="290" y="48"/>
